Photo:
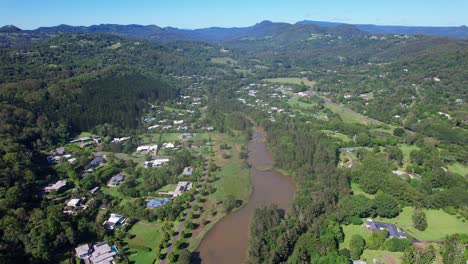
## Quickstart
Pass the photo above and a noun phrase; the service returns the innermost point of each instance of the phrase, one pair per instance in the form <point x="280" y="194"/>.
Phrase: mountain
<point x="9" y="29"/>
<point x="452" y="32"/>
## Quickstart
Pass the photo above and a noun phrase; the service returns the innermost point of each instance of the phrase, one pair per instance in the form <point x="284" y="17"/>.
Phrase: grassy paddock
<point x="458" y="168"/>
<point x="146" y="235"/>
<point x="369" y="255"/>
<point x="357" y="190"/>
<point x="351" y="230"/>
<point x="295" y="81"/>
<point x="440" y="224"/>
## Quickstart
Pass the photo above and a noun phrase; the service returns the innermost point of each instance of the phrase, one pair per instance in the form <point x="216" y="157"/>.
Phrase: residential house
<point x="182" y="187"/>
<point x="58" y="151"/>
<point x="95" y="163"/>
<point x="393" y="231"/>
<point x="58" y="186"/>
<point x="73" y="205"/>
<point x="102" y="254"/>
<point x="168" y="145"/>
<point x="116" y="180"/>
<point x="83" y="251"/>
<point x="178" y="122"/>
<point x="118" y="140"/>
<point x="188" y="171"/>
<point x="148" y="148"/>
<point x="114" y="221"/>
<point x="81" y="140"/>
<point x="153" y="127"/>
<point x="94" y="190"/>
<point x="186" y="135"/>
<point x="459" y="101"/>
<point x="155" y="163"/>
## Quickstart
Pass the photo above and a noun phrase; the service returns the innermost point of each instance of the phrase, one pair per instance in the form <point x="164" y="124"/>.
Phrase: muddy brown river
<point x="227" y="241"/>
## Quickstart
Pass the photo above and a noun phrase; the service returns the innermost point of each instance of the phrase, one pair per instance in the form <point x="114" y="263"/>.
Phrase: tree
<point x="453" y="250"/>
<point x="399" y="132"/>
<point x="229" y="203"/>
<point x="419" y="219"/>
<point x="377" y="239"/>
<point x="356" y="246"/>
<point x="396" y="244"/>
<point x="415" y="255"/>
<point x="184" y="256"/>
<point x="386" y="205"/>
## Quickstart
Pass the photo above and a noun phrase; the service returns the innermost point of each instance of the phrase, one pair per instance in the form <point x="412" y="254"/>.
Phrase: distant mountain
<point x="452" y="32"/>
<point x="264" y="29"/>
<point x="9" y="29"/>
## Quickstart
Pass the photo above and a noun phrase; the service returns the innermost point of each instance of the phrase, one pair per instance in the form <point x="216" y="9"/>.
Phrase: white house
<point x="113" y="221"/>
<point x="178" y="122"/>
<point x="59" y="185"/>
<point x="148" y="148"/>
<point x="155" y="163"/>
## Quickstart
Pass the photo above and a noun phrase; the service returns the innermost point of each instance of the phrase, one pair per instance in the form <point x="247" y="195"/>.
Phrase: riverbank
<point x="227" y="241"/>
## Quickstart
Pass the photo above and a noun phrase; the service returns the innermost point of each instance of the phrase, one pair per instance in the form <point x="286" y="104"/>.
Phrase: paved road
<point x="180" y="227"/>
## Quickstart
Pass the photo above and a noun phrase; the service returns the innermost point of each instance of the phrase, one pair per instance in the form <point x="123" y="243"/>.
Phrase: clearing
<point x="292" y="80"/>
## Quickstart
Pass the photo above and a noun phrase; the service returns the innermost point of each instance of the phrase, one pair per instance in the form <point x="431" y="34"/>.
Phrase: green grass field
<point x="458" y="168"/>
<point x="146" y="235"/>
<point x="234" y="176"/>
<point x="357" y="190"/>
<point x="296" y="81"/>
<point x="297" y="104"/>
<point x="440" y="224"/>
<point x="348" y="117"/>
<point x="351" y="230"/>
<point x="369" y="255"/>
<point x="223" y="60"/>
<point x="112" y="191"/>
<point x="406" y="149"/>
<point x="167" y="188"/>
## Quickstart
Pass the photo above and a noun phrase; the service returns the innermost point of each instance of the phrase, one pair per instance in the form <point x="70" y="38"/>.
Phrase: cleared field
<point x="112" y="191"/>
<point x="458" y="168"/>
<point x="351" y="230"/>
<point x="223" y="60"/>
<point x="293" y="80"/>
<point x="406" y="149"/>
<point x="142" y="247"/>
<point x="296" y="103"/>
<point x="369" y="255"/>
<point x="440" y="224"/>
<point x="346" y="115"/>
<point x="167" y="188"/>
<point x="357" y="190"/>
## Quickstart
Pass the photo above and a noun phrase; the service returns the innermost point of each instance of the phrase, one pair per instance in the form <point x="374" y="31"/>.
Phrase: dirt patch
<point x="389" y="259"/>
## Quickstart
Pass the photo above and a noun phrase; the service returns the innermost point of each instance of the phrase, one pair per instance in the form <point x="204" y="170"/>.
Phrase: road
<point x="180" y="227"/>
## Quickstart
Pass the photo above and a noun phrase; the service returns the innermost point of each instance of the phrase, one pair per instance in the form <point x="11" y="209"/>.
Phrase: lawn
<point x="223" y="60"/>
<point x="351" y="230"/>
<point x="406" y="149"/>
<point x="458" y="168"/>
<point x="357" y="190"/>
<point x="347" y="116"/>
<point x="112" y="191"/>
<point x="296" y="81"/>
<point x="440" y="224"/>
<point x="234" y="176"/>
<point x="369" y="255"/>
<point x="296" y="103"/>
<point x="167" y="188"/>
<point x="147" y="235"/>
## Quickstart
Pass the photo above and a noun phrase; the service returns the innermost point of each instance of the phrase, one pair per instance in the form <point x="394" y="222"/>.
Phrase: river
<point x="227" y="241"/>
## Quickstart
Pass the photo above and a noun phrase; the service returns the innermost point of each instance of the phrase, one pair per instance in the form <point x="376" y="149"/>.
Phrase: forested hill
<point x="451" y="32"/>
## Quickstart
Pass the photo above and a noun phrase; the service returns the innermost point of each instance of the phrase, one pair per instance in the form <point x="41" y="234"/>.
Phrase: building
<point x="58" y="151"/>
<point x="188" y="171"/>
<point x="73" y="205"/>
<point x="114" y="221"/>
<point x="393" y="231"/>
<point x="58" y="186"/>
<point x="168" y="145"/>
<point x="102" y="254"/>
<point x="94" y="190"/>
<point x="83" y="251"/>
<point x="155" y="163"/>
<point x="148" y="148"/>
<point x="96" y="162"/>
<point x="157" y="202"/>
<point x="118" y="140"/>
<point x="116" y="180"/>
<point x="182" y="187"/>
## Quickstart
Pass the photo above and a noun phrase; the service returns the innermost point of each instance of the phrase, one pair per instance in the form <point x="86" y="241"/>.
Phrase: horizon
<point x="211" y="13"/>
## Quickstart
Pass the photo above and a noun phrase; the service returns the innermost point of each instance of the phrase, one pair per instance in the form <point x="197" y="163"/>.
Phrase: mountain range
<point x="262" y="30"/>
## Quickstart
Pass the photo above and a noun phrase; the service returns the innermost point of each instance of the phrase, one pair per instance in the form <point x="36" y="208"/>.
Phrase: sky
<point x="30" y="14"/>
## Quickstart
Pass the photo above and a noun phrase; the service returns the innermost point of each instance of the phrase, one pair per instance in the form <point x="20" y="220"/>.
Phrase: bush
<point x="397" y="244"/>
<point x="419" y="219"/>
<point x="355" y="220"/>
<point x="229" y="203"/>
<point x="356" y="246"/>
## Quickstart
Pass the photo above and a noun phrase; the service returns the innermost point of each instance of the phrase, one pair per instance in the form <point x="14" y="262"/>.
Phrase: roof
<point x="95" y="163"/>
<point x="82" y="250"/>
<point x="391" y="228"/>
<point x="74" y="202"/>
<point x="188" y="171"/>
<point x="116" y="180"/>
<point x="103" y="253"/>
<point x="56" y="186"/>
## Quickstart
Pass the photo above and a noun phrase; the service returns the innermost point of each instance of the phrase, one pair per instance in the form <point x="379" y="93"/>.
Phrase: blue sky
<point x="30" y="14"/>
